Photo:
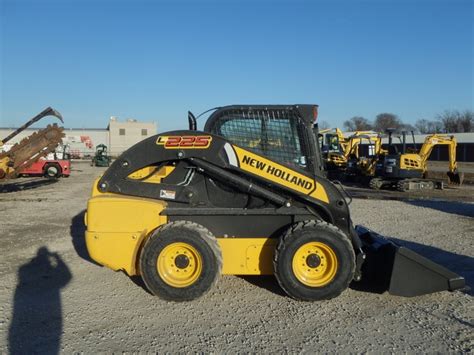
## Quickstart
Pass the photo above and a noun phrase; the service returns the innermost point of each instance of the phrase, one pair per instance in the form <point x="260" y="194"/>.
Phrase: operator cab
<point x="282" y="133"/>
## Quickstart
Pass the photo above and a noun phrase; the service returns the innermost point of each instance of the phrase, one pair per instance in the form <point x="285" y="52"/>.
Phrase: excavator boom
<point x="454" y="177"/>
<point x="49" y="111"/>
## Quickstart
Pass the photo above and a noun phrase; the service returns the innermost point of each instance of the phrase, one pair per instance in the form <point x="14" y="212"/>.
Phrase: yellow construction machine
<point x="342" y="155"/>
<point x="406" y="170"/>
<point x="184" y="207"/>
<point x="30" y="149"/>
<point x="334" y="147"/>
<point x="362" y="165"/>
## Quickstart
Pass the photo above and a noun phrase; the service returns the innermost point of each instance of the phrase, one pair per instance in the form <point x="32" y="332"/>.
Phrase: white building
<point x="123" y="135"/>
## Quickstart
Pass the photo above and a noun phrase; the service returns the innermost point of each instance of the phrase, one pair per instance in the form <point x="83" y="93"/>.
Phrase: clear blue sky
<point x="154" y="60"/>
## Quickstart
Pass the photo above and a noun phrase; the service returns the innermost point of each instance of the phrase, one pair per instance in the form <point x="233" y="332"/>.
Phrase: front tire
<point x="180" y="261"/>
<point x="52" y="171"/>
<point x="314" y="260"/>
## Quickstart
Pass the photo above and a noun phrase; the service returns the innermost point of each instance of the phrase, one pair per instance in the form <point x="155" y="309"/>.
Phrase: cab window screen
<point x="273" y="134"/>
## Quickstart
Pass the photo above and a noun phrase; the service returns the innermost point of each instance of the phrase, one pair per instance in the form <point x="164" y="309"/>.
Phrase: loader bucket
<point x="455" y="178"/>
<point x="401" y="271"/>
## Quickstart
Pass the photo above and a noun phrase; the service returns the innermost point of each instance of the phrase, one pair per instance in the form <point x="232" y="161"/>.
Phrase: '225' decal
<point x="184" y="142"/>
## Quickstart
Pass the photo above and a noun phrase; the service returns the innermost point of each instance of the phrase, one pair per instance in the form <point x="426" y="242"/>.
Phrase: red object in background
<point x="87" y="141"/>
<point x="49" y="168"/>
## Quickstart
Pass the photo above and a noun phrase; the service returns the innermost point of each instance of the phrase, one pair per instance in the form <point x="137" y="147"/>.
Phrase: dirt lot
<point x="54" y="298"/>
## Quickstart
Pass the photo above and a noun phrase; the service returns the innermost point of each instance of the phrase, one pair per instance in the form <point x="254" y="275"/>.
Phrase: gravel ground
<point x="53" y="298"/>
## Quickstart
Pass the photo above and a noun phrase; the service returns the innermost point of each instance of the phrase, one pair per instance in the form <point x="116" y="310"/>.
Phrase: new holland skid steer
<point x="245" y="196"/>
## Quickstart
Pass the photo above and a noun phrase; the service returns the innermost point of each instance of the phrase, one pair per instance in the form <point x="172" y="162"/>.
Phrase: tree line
<point x="450" y="121"/>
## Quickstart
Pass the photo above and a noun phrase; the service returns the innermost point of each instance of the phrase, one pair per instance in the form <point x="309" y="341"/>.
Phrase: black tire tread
<point x="203" y="232"/>
<point x="311" y="224"/>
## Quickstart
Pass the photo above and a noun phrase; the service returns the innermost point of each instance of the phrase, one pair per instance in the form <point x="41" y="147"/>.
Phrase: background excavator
<point x="30" y="149"/>
<point x="407" y="170"/>
<point x="245" y="196"/>
<point x="362" y="165"/>
<point x="343" y="157"/>
<point x="334" y="146"/>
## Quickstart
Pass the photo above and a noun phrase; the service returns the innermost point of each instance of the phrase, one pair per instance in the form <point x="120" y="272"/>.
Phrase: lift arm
<point x="215" y="157"/>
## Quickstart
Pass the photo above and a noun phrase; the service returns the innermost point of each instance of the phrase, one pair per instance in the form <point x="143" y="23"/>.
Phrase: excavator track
<point x="415" y="184"/>
<point x="30" y="149"/>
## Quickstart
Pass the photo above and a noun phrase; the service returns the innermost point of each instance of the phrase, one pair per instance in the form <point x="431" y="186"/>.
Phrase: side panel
<point x="241" y="226"/>
<point x="411" y="161"/>
<point x="247" y="256"/>
<point x="116" y="227"/>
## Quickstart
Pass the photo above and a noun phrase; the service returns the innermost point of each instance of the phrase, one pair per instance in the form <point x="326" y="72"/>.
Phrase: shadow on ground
<point x="16" y="186"/>
<point x="453" y="207"/>
<point x="138" y="281"/>
<point x="37" y="322"/>
<point x="266" y="282"/>
<point x="77" y="230"/>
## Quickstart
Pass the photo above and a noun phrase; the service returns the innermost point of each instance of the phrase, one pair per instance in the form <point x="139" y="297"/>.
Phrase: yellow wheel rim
<point x="179" y="264"/>
<point x="315" y="264"/>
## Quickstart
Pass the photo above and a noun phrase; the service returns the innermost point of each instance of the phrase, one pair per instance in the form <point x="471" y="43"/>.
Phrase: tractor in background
<point x="101" y="157"/>
<point x="53" y="166"/>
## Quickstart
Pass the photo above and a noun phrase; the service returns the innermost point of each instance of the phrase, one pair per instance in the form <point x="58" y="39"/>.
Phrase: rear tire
<point x="314" y="260"/>
<point x="180" y="261"/>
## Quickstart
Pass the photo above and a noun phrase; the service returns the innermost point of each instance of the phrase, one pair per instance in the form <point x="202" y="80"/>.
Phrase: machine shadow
<point x="138" y="281"/>
<point x="266" y="282"/>
<point x="452" y="207"/>
<point x="77" y="229"/>
<point x="37" y="323"/>
<point x="25" y="185"/>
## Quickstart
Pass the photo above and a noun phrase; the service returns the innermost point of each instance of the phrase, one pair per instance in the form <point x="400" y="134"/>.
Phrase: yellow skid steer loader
<point x="245" y="196"/>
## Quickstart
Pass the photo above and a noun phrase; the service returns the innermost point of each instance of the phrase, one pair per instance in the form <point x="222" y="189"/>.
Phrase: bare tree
<point x="357" y="123"/>
<point x="324" y="125"/>
<point x="435" y="127"/>
<point x="466" y="121"/>
<point x="387" y="120"/>
<point x="424" y="126"/>
<point x="449" y="120"/>
<point x="407" y="127"/>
